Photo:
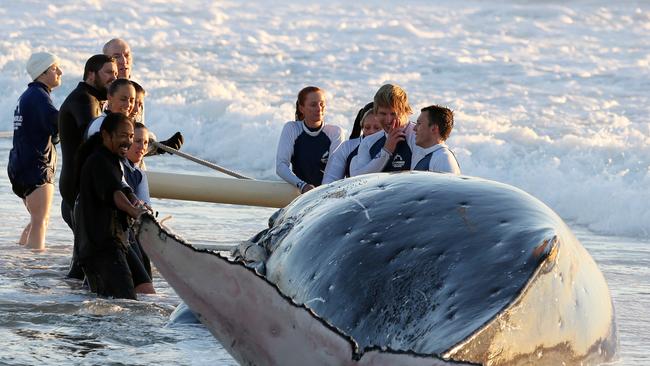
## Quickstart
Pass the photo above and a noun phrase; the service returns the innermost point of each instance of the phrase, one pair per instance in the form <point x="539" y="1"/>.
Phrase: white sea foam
<point x="550" y="98"/>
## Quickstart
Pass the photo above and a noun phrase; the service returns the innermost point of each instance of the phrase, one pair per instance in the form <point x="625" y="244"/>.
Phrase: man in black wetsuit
<point x="80" y="107"/>
<point x="100" y="217"/>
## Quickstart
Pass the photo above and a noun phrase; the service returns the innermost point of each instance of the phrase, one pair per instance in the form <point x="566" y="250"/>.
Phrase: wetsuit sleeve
<point x="105" y="180"/>
<point x="284" y="153"/>
<point x="337" y="138"/>
<point x="142" y="190"/>
<point x="445" y="162"/>
<point x="51" y="120"/>
<point x="335" y="168"/>
<point x="83" y="112"/>
<point x="363" y="164"/>
<point x="44" y="116"/>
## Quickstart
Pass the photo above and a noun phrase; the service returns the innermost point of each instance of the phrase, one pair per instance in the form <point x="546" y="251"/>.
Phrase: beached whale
<point x="409" y="269"/>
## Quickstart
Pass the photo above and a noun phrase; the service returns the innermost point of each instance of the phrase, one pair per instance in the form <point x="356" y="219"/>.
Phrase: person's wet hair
<point x="356" y="128"/>
<point x="138" y="88"/>
<point x="392" y="96"/>
<point x="117" y="84"/>
<point x="113" y="120"/>
<point x="302" y="95"/>
<point x="442" y="117"/>
<point x="95" y="63"/>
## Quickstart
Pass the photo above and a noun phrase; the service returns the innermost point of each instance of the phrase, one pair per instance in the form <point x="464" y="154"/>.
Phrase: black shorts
<point x="23" y="191"/>
<point x="109" y="275"/>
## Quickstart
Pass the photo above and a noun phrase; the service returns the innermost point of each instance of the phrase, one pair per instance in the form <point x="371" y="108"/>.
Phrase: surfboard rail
<point x="201" y="188"/>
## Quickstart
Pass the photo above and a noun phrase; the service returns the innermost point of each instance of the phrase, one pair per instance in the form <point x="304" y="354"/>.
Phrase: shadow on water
<point x="76" y="345"/>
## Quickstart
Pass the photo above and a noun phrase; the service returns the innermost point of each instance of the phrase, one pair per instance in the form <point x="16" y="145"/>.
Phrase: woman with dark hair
<point x="120" y="99"/>
<point x="306" y="144"/>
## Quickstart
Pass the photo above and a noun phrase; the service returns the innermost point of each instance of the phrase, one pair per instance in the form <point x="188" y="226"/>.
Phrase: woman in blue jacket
<point x="32" y="159"/>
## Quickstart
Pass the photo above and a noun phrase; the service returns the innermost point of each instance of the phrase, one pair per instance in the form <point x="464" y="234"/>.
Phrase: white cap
<point x="39" y="62"/>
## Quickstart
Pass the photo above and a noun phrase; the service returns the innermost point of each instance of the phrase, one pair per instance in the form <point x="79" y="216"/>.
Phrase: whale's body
<point x="411" y="268"/>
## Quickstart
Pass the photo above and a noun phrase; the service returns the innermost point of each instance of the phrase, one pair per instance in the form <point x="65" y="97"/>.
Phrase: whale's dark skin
<point x="436" y="264"/>
<point x="399" y="269"/>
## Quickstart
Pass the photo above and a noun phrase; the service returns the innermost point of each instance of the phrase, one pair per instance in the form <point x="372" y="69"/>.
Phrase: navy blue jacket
<point x="401" y="159"/>
<point x="32" y="160"/>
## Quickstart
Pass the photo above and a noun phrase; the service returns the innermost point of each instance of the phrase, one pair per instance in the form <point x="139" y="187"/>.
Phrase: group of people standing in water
<point x="311" y="153"/>
<point x="101" y="129"/>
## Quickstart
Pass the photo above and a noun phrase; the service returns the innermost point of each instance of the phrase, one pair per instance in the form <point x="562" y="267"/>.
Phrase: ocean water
<point x="550" y="97"/>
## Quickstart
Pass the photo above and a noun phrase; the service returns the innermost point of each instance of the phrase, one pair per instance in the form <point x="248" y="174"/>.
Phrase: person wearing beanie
<point x="32" y="159"/>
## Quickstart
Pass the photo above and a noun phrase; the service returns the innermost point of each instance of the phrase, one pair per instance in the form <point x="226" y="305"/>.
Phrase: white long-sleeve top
<point x="442" y="159"/>
<point x="94" y="125"/>
<point x="335" y="168"/>
<point x="363" y="163"/>
<point x="290" y="133"/>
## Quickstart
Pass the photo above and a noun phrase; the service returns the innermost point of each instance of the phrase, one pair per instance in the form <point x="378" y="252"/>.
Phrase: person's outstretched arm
<point x="335" y="168"/>
<point x="290" y="132"/>
<point x="123" y="204"/>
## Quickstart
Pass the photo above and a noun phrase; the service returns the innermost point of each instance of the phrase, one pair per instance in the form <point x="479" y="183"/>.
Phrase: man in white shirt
<point x="430" y="152"/>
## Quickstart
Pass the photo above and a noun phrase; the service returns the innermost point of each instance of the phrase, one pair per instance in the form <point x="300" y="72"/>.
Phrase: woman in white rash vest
<point x="338" y="166"/>
<point x="307" y="143"/>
